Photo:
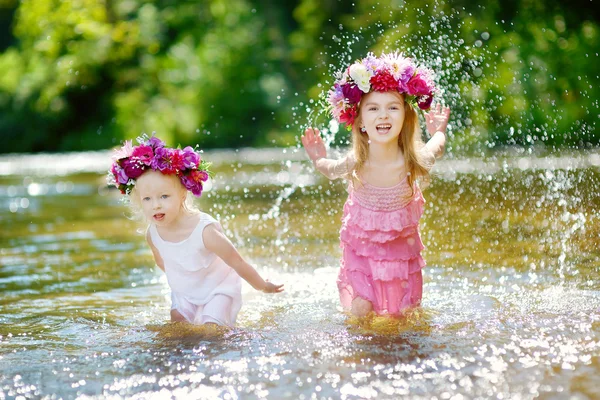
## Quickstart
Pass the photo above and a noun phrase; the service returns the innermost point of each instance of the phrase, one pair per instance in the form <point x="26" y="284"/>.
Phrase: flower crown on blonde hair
<point x="130" y="162"/>
<point x="389" y="72"/>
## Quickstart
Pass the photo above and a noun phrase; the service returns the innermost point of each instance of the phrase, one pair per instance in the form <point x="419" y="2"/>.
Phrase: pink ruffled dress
<point x="380" y="241"/>
<point x="381" y="245"/>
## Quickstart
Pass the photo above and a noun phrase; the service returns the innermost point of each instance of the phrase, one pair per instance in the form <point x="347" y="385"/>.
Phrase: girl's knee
<point x="176" y="316"/>
<point x="361" y="307"/>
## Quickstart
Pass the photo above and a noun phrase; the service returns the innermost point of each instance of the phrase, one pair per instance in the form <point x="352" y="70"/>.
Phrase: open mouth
<point x="159" y="217"/>
<point x="383" y="128"/>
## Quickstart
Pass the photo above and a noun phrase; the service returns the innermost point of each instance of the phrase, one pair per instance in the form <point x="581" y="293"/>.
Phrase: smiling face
<point x="382" y="114"/>
<point x="161" y="197"/>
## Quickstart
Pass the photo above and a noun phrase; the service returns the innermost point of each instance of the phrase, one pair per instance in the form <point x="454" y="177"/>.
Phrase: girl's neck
<point x="181" y="222"/>
<point x="384" y="153"/>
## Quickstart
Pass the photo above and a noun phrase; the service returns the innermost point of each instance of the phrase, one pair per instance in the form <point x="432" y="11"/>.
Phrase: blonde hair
<point x="409" y="142"/>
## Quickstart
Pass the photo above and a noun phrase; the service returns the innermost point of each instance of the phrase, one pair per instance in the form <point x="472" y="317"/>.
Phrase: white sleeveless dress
<point x="196" y="275"/>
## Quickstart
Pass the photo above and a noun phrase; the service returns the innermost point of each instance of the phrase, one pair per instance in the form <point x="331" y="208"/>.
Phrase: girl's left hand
<point x="437" y="119"/>
<point x="272" y="288"/>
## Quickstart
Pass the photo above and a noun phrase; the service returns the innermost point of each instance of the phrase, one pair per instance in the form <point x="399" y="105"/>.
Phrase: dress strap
<point x="204" y="221"/>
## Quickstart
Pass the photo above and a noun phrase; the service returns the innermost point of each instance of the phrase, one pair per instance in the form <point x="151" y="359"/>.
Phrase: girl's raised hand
<point x="272" y="288"/>
<point x="313" y="144"/>
<point x="437" y="119"/>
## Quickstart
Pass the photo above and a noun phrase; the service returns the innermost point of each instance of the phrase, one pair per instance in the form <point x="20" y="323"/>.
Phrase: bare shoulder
<point x="212" y="231"/>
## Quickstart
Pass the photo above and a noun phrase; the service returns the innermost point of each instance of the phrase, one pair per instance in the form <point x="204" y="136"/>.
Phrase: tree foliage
<point x="84" y="74"/>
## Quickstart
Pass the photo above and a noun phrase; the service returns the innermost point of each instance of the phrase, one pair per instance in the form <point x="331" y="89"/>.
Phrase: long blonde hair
<point x="409" y="142"/>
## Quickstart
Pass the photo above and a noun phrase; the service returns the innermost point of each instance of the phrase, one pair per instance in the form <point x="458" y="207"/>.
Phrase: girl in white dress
<point x="203" y="268"/>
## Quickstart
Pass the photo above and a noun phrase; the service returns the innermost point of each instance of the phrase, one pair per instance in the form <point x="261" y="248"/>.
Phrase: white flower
<point x="361" y="76"/>
<point x="396" y="63"/>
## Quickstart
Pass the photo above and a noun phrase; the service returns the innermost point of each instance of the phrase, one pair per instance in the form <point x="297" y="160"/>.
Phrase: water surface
<point x="511" y="304"/>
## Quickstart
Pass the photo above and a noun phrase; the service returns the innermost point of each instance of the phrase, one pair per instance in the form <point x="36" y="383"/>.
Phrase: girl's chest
<point x="380" y="176"/>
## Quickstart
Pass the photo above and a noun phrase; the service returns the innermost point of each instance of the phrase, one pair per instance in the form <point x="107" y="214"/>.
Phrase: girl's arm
<point x="157" y="258"/>
<point x="437" y="122"/>
<point x="315" y="148"/>
<point x="215" y="241"/>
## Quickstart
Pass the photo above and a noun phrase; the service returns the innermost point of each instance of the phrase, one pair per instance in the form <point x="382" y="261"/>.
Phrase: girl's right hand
<point x="272" y="288"/>
<point x="313" y="144"/>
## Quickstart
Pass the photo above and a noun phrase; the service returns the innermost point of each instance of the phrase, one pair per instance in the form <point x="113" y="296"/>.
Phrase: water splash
<point x="567" y="222"/>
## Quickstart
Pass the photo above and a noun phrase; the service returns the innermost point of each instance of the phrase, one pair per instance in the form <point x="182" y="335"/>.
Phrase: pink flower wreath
<point x="130" y="162"/>
<point x="389" y="72"/>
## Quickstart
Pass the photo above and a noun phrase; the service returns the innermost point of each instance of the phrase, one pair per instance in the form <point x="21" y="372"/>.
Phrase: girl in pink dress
<point x="377" y="98"/>
<point x="203" y="268"/>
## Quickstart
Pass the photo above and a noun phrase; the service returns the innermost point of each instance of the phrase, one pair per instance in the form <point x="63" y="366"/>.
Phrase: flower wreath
<point x="130" y="162"/>
<point x="389" y="72"/>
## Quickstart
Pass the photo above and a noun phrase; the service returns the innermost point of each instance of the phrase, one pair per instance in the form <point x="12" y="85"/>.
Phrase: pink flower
<point x="143" y="154"/>
<point x="418" y="86"/>
<point x="384" y="82"/>
<point x="124" y="151"/>
<point x="336" y="97"/>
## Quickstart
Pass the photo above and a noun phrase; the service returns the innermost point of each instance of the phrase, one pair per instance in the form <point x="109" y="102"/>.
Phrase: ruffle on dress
<point x="387" y="223"/>
<point x="381" y="259"/>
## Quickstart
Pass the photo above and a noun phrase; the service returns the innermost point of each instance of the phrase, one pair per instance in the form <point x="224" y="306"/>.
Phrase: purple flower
<point x="352" y="92"/>
<point x="200" y="176"/>
<point x="336" y="99"/>
<point x="371" y="63"/>
<point x="405" y="76"/>
<point x="164" y="160"/>
<point x="187" y="182"/>
<point x="197" y="190"/>
<point x="191" y="159"/>
<point x="155" y="143"/>
<point x="191" y="185"/>
<point x="194" y="180"/>
<point x="120" y="175"/>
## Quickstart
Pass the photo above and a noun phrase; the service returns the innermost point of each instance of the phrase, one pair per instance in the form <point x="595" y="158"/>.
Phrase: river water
<point x="511" y="306"/>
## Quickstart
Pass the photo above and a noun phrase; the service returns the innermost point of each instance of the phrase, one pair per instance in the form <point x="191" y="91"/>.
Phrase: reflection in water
<point x="511" y="298"/>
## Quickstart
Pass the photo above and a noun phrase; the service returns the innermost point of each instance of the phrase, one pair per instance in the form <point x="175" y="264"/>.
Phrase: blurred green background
<point x="85" y="74"/>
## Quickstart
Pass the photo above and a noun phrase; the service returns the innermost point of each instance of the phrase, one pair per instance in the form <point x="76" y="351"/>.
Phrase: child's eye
<point x="393" y="108"/>
<point x="164" y="196"/>
<point x="372" y="108"/>
<point x="146" y="199"/>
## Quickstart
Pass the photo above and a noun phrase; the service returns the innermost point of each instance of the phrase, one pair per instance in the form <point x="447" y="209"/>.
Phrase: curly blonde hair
<point x="409" y="142"/>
